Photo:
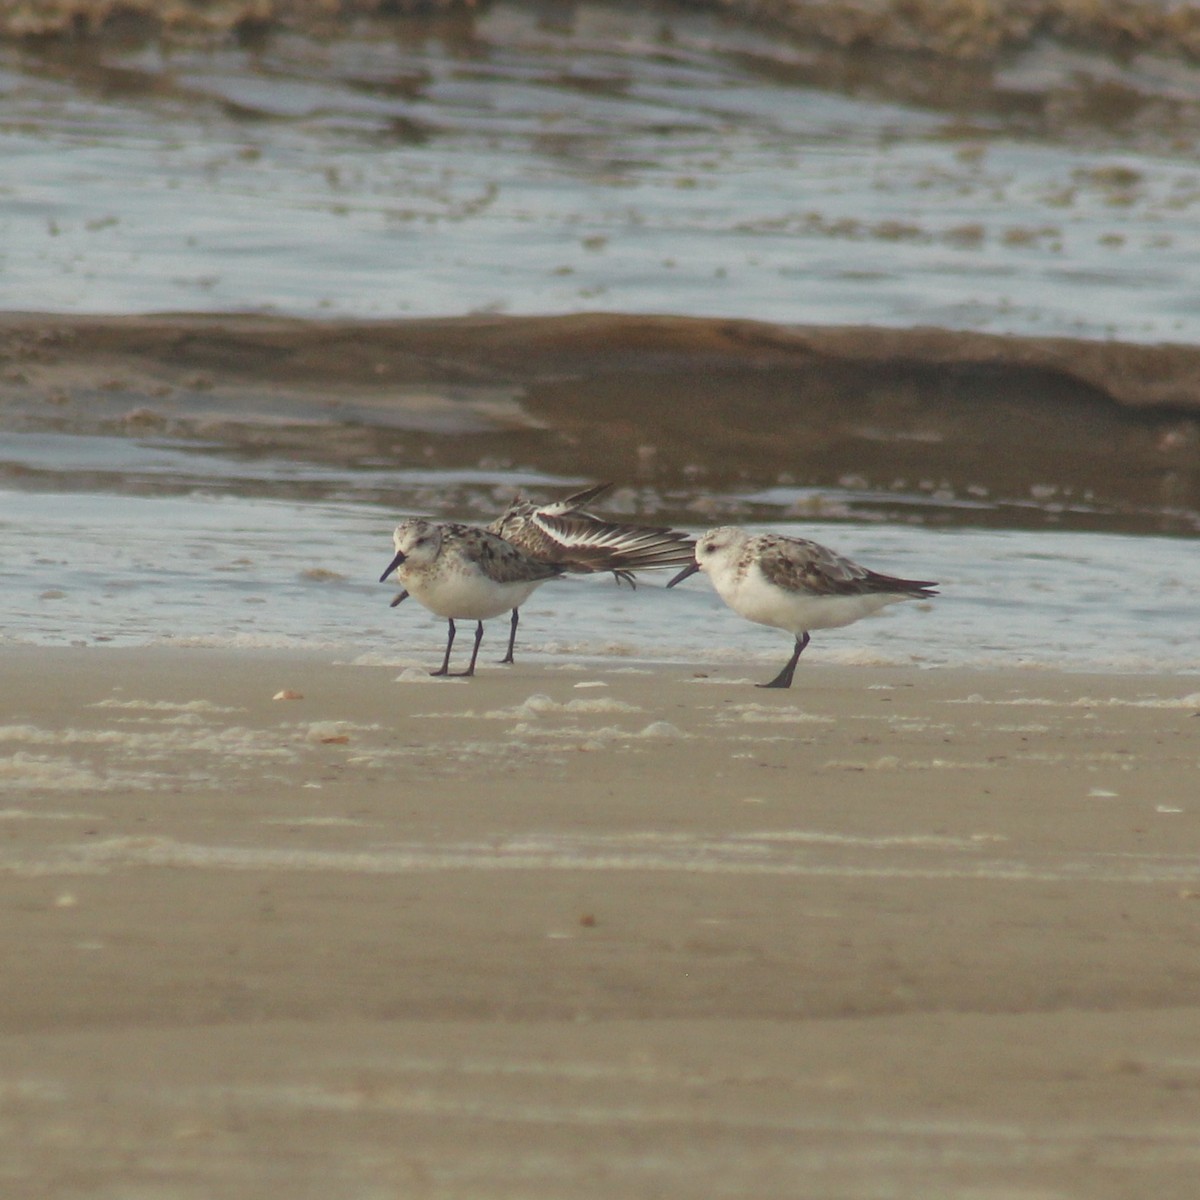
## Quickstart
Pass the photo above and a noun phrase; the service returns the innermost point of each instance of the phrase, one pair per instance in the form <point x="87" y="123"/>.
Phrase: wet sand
<point x="615" y="930"/>
<point x="1000" y="429"/>
<point x="981" y="30"/>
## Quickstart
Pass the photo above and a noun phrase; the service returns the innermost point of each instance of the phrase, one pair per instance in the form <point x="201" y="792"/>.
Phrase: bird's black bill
<point x="690" y="569"/>
<point x="400" y="557"/>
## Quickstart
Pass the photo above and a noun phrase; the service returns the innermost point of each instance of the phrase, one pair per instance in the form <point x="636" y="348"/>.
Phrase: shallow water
<point x="230" y="570"/>
<point x="593" y="157"/>
<point x="632" y="160"/>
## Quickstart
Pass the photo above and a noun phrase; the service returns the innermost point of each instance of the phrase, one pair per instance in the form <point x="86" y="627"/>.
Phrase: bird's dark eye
<point x="421" y="541"/>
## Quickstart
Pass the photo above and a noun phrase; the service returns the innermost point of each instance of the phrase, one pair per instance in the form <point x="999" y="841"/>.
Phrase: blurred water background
<point x="1034" y="182"/>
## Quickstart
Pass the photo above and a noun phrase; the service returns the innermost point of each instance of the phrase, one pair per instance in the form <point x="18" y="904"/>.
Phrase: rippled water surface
<point x="216" y="567"/>
<point x="639" y="160"/>
<point x="553" y="159"/>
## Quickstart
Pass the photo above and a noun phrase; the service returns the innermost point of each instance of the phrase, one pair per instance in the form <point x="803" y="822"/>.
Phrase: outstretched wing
<point x="575" y="503"/>
<point x="585" y="544"/>
<point x="514" y="521"/>
<point x="563" y="532"/>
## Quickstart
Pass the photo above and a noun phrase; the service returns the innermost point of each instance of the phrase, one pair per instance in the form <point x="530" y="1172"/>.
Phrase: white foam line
<point x="33" y="772"/>
<point x="228" y="740"/>
<point x="314" y="822"/>
<point x="784" y="716"/>
<point x="889" y="762"/>
<point x="535" y="706"/>
<point x="700" y="858"/>
<point x="25" y="814"/>
<point x="1191" y="700"/>
<point x="845" y="839"/>
<point x="1012" y="1141"/>
<point x="188" y="706"/>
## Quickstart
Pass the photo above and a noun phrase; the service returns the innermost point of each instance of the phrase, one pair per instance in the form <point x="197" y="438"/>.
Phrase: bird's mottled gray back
<point x="497" y="558"/>
<point x="797" y="564"/>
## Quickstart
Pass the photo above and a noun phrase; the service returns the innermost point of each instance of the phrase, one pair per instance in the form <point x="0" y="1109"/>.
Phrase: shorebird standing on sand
<point x="466" y="572"/>
<point x="793" y="584"/>
<point x="562" y="533"/>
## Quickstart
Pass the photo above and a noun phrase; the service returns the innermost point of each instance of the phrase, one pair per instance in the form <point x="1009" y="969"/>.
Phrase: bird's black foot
<point x="507" y="660"/>
<point x="784" y="678"/>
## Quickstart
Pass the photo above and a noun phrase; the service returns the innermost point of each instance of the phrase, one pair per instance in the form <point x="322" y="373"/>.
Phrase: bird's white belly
<point x="798" y="612"/>
<point x="468" y="596"/>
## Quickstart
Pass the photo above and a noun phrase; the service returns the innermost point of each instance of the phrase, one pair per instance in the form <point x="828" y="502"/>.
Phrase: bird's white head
<point x="719" y="546"/>
<point x="417" y="543"/>
<point x="714" y="549"/>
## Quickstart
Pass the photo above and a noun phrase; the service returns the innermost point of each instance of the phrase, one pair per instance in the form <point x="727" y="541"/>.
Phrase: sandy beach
<point x="573" y="930"/>
<point x="286" y="919"/>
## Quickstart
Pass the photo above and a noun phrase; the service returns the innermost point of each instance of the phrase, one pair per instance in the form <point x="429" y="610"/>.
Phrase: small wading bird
<point x="793" y="584"/>
<point x="465" y="572"/>
<point x="563" y="534"/>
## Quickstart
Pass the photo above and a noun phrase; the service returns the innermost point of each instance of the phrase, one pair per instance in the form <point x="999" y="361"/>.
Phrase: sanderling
<point x="793" y="584"/>
<point x="563" y="533"/>
<point x="466" y="572"/>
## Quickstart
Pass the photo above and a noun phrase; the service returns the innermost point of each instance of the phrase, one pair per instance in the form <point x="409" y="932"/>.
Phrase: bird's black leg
<point x="475" y="652"/>
<point x="444" y="669"/>
<point x="512" y="638"/>
<point x="784" y="678"/>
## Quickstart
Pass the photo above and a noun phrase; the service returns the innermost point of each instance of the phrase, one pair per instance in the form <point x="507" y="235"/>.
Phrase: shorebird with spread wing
<point x="564" y="534"/>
